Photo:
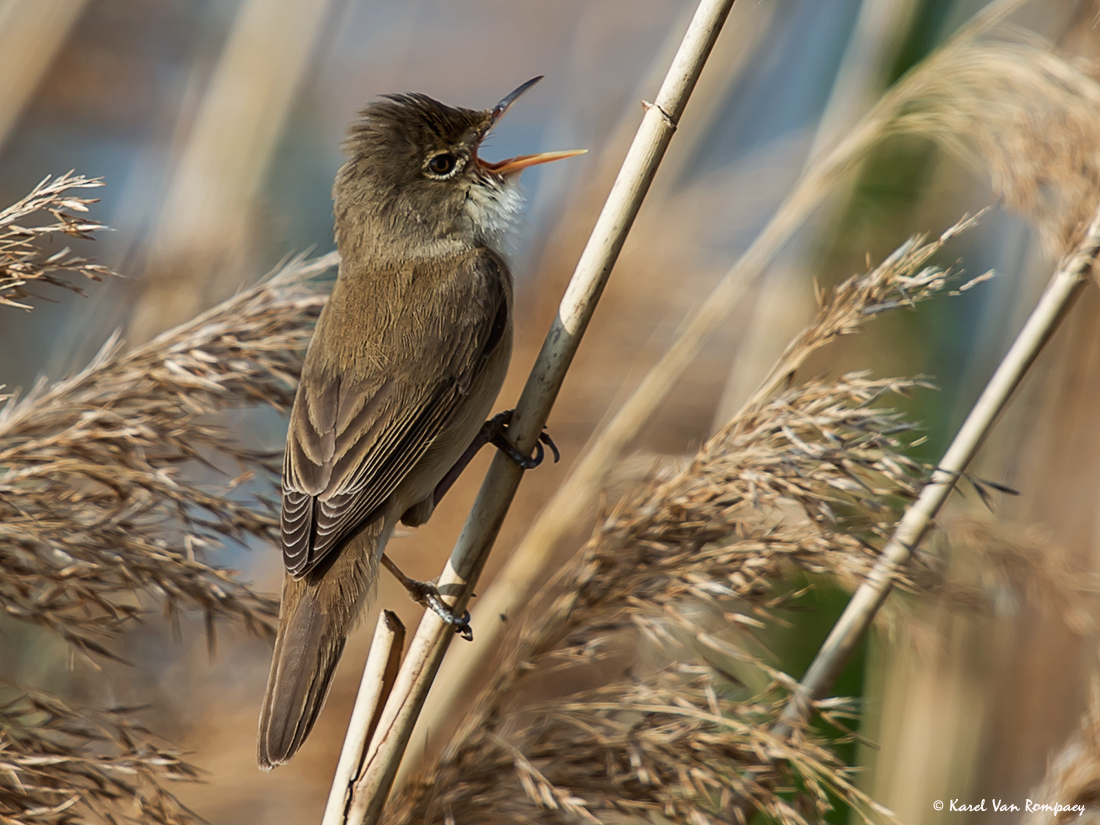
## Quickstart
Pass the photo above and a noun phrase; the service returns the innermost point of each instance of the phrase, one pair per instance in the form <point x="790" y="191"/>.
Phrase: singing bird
<point x="404" y="366"/>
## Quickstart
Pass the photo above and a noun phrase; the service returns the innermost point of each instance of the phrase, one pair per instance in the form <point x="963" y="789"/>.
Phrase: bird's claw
<point x="496" y="432"/>
<point x="427" y="594"/>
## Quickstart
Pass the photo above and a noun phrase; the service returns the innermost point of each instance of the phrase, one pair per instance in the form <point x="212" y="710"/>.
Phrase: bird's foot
<point x="428" y="595"/>
<point x="495" y="432"/>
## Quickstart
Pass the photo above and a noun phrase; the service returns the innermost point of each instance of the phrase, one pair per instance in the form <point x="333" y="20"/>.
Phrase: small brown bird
<point x="404" y="366"/>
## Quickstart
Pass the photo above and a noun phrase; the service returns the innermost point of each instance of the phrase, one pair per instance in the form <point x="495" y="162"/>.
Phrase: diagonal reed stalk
<point x="367" y="794"/>
<point x="1056" y="300"/>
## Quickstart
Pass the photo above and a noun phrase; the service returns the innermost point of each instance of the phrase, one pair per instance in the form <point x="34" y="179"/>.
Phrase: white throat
<point x="493" y="206"/>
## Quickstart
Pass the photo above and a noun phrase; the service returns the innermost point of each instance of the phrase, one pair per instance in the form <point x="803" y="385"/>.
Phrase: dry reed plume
<point x="99" y="492"/>
<point x="22" y="260"/>
<point x="63" y="764"/>
<point x="115" y="486"/>
<point x="805" y="477"/>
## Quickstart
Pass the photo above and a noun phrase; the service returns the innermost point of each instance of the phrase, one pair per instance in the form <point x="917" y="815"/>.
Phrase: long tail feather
<point x="318" y="611"/>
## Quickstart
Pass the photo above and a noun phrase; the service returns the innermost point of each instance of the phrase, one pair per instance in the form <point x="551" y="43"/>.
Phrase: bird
<point x="405" y="363"/>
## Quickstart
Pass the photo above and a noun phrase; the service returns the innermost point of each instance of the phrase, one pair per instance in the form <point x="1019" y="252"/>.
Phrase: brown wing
<point x="355" y="434"/>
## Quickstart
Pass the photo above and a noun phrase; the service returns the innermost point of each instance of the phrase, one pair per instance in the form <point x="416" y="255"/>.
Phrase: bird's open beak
<point x="521" y="162"/>
<point x="506" y="104"/>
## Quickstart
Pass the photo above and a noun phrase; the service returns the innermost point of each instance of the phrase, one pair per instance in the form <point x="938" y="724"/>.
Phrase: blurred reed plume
<point x="1020" y="593"/>
<point x="986" y="560"/>
<point x="115" y="485"/>
<point x="1073" y="777"/>
<point x="1004" y="101"/>
<point x="804" y="477"/>
<point x="22" y="260"/>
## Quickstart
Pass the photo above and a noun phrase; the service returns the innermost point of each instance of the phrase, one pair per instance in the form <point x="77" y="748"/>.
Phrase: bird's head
<point x="413" y="174"/>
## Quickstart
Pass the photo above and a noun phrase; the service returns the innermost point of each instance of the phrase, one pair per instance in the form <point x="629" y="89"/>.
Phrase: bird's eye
<point x="442" y="165"/>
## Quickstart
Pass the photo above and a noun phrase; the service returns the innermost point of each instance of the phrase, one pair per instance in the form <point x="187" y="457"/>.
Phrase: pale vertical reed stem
<point x="379" y="674"/>
<point x="1063" y="288"/>
<point x="31" y="36"/>
<point x="211" y="199"/>
<point x="579" y="302"/>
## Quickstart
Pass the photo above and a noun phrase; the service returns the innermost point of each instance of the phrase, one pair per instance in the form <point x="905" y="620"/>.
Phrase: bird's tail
<point x="317" y="613"/>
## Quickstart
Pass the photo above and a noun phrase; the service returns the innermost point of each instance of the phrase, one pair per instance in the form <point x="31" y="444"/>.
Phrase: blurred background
<point x="217" y="126"/>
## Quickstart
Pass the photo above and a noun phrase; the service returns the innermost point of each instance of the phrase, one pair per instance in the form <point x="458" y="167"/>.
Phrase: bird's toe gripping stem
<point x="495" y="432"/>
<point x="427" y="595"/>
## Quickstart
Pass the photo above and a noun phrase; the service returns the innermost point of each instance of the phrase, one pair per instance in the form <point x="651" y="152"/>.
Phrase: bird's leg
<point x="448" y="480"/>
<point x="427" y="594"/>
<point x="495" y="432"/>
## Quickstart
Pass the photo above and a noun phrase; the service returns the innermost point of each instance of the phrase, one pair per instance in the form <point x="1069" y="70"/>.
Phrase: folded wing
<point x="355" y="436"/>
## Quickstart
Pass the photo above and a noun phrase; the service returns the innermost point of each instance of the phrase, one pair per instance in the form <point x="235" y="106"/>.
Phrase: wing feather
<point x="355" y="435"/>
